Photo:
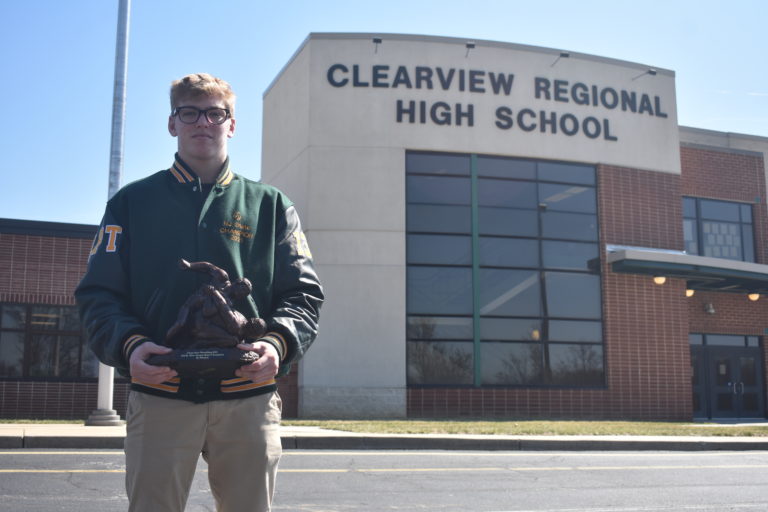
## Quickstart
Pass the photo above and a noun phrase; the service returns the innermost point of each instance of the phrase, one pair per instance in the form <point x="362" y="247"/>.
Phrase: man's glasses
<point x="190" y="115"/>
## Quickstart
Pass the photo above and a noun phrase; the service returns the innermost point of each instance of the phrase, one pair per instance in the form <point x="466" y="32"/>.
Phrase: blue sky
<point x="57" y="61"/>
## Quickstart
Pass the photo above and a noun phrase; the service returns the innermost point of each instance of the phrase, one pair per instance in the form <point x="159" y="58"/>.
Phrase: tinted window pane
<point x="753" y="341"/>
<point x="695" y="339"/>
<point x="725" y="340"/>
<point x="721" y="240"/>
<point x="567" y="173"/>
<point x="509" y="292"/>
<point x="70" y="319"/>
<point x="90" y="365"/>
<point x="571" y="226"/>
<point x="440" y="249"/>
<point x="568" y="198"/>
<point x="46" y="318"/>
<point x="748" y="244"/>
<point x="53" y="356"/>
<point x="440" y="290"/>
<point x="576" y="365"/>
<point x="440" y="219"/>
<point x="511" y="363"/>
<point x="514" y="194"/>
<point x="11" y="354"/>
<point x="515" y="329"/>
<point x="434" y="163"/>
<point x="14" y="316"/>
<point x="505" y="167"/>
<point x="438" y="190"/>
<point x="508" y="252"/>
<point x="573" y="330"/>
<point x="568" y="255"/>
<point x="719" y="210"/>
<point x="689" y="207"/>
<point x="690" y="236"/>
<point x="508" y="221"/>
<point x="573" y="295"/>
<point x="439" y="328"/>
<point x="440" y="363"/>
<point x="746" y="213"/>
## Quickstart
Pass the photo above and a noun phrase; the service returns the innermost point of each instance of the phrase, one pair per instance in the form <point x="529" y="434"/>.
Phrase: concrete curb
<point x="312" y="438"/>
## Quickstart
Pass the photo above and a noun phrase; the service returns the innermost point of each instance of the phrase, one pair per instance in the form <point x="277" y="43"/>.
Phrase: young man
<point x="199" y="210"/>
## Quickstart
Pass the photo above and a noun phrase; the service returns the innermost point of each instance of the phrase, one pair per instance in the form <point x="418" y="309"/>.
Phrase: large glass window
<point x="499" y="290"/>
<point x="720" y="229"/>
<point x="39" y="341"/>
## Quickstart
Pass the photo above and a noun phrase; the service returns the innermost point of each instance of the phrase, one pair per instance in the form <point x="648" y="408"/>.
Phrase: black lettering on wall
<point x="561" y="90"/>
<point x="445" y="80"/>
<point x="542" y="86"/>
<point x="569" y="125"/>
<point x="476" y="81"/>
<point x="521" y="122"/>
<point x="423" y="74"/>
<point x="410" y="111"/>
<point x="580" y="93"/>
<point x="645" y="105"/>
<point x="333" y="80"/>
<point x="501" y="82"/>
<point x="469" y="114"/>
<point x="628" y="101"/>
<point x="504" y="118"/>
<point x="402" y="78"/>
<point x="356" y="82"/>
<point x="380" y="76"/>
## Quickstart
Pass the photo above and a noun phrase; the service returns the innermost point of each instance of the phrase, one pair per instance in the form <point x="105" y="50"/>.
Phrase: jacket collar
<point x="183" y="173"/>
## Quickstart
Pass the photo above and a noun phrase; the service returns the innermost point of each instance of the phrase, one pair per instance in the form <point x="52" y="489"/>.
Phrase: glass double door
<point x="728" y="382"/>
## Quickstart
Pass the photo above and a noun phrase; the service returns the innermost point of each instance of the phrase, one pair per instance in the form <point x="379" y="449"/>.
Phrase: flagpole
<point x="105" y="415"/>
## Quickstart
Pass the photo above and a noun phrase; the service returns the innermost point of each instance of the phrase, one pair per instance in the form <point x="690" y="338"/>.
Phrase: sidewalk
<point x="78" y="436"/>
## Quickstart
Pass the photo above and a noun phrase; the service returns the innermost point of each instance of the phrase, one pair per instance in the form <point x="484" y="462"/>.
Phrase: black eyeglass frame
<point x="200" y="112"/>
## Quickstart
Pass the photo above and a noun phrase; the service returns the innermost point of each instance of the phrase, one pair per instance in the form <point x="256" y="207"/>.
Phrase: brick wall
<point x="41" y="269"/>
<point x="729" y="176"/>
<point x="732" y="176"/>
<point x="46" y="270"/>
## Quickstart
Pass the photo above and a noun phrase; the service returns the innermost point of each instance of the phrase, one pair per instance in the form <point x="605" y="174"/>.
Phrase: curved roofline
<point x="479" y="43"/>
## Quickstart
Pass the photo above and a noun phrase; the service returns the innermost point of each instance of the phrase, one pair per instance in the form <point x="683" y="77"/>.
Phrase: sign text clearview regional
<point x="499" y="84"/>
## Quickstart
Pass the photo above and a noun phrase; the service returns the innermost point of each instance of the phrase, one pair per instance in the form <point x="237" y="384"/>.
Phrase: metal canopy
<point x="700" y="272"/>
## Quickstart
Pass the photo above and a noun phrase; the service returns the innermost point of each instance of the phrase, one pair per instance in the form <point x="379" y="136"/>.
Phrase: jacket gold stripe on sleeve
<point x="278" y="341"/>
<point x="131" y="343"/>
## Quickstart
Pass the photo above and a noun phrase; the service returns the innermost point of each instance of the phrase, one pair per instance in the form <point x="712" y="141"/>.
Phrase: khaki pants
<point x="239" y="439"/>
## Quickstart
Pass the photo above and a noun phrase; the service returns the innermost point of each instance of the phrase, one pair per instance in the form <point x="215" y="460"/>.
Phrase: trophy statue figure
<point x="208" y="328"/>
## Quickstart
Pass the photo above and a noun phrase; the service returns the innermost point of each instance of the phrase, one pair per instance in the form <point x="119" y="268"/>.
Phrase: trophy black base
<point x="208" y="363"/>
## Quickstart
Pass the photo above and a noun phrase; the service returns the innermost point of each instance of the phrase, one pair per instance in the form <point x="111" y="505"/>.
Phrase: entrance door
<point x="728" y="382"/>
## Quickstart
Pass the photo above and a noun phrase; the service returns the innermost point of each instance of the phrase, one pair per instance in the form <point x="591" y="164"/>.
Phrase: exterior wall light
<point x="689" y="292"/>
<point x="709" y="308"/>
<point x="753" y="296"/>
<point x="659" y="279"/>
<point x="563" y="55"/>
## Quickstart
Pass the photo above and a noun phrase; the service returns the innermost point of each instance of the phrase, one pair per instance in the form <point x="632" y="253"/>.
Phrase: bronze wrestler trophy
<point x="208" y="328"/>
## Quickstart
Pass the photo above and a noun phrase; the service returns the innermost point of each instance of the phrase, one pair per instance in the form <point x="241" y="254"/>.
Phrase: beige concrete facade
<point x="338" y="120"/>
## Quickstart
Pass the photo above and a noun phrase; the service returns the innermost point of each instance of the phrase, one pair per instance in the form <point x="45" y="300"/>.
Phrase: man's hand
<point x="265" y="367"/>
<point x="144" y="372"/>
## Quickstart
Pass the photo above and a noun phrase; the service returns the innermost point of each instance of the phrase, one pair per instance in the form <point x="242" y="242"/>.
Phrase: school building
<point x="502" y="231"/>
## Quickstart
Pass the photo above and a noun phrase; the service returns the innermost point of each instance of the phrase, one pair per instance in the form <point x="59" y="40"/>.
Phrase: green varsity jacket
<point x="133" y="287"/>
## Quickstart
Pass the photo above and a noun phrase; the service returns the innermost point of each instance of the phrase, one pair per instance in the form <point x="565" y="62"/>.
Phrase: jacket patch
<point x="302" y="246"/>
<point x="112" y="231"/>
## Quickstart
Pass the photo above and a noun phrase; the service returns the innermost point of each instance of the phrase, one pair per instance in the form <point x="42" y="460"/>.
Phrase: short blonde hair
<point x="202" y="84"/>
